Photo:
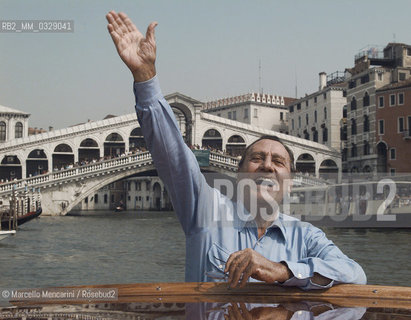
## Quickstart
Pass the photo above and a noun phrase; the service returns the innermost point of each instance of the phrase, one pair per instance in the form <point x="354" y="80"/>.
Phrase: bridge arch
<point x="212" y="138"/>
<point x="88" y="149"/>
<point x="63" y="155"/>
<point x="328" y="170"/>
<point x="305" y="163"/>
<point x="114" y="144"/>
<point x="10" y="168"/>
<point x="37" y="162"/>
<point x="136" y="139"/>
<point x="235" y="145"/>
<point x="184" y="117"/>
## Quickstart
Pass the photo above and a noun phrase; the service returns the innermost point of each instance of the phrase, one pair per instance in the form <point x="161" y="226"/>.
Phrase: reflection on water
<point x="128" y="247"/>
<point x="217" y="311"/>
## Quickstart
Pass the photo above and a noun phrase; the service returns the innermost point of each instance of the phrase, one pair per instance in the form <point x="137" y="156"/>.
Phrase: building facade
<point x="393" y="129"/>
<point x="257" y="109"/>
<point x="135" y="193"/>
<point x="13" y="124"/>
<point x="373" y="70"/>
<point x="317" y="116"/>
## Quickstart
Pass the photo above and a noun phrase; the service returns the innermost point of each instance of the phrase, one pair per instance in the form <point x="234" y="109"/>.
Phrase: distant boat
<point x="6" y="220"/>
<point x="5" y="234"/>
<point x="119" y="209"/>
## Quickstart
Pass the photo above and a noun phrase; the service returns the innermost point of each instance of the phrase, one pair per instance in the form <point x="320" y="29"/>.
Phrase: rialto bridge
<point x="72" y="163"/>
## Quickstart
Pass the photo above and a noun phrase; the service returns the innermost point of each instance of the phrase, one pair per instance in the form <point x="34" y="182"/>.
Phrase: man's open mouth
<point x="268" y="182"/>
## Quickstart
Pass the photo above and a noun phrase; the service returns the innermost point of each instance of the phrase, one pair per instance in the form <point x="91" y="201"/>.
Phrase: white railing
<point x="68" y="174"/>
<point x="144" y="158"/>
<point x="225" y="160"/>
<point x="102" y="166"/>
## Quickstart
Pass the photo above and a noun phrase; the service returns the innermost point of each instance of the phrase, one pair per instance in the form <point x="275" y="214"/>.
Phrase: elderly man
<point x="277" y="249"/>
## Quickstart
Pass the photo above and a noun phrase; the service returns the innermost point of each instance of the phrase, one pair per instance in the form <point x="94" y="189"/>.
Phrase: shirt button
<point x="220" y="266"/>
<point x="299" y="276"/>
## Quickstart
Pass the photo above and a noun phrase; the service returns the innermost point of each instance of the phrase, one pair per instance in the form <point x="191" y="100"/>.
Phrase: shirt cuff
<point x="147" y="92"/>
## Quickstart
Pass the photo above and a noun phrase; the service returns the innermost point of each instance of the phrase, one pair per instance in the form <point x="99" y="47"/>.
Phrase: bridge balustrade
<point x="72" y="172"/>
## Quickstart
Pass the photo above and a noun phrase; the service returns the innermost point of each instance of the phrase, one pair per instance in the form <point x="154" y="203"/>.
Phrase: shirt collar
<point x="240" y="224"/>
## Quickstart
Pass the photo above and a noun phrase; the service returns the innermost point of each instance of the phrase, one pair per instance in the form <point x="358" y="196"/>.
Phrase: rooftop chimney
<point x="51" y="128"/>
<point x="323" y="80"/>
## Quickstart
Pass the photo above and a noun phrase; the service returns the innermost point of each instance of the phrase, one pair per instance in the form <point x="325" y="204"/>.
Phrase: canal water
<point x="130" y="247"/>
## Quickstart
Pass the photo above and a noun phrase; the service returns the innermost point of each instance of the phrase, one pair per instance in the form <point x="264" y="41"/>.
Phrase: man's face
<point x="267" y="163"/>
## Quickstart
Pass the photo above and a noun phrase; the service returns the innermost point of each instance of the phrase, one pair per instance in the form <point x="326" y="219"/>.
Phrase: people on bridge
<point x="238" y="241"/>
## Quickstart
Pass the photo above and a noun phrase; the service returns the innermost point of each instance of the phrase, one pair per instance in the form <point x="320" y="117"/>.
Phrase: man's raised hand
<point x="137" y="52"/>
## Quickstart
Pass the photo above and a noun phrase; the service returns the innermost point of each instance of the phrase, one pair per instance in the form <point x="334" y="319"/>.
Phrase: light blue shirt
<point x="210" y="220"/>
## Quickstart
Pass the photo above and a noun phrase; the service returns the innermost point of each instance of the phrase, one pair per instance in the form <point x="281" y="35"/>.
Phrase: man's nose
<point x="267" y="165"/>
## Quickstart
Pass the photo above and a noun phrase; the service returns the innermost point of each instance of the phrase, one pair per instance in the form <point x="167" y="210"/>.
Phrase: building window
<point x="392" y="171"/>
<point x="218" y="114"/>
<point x="306" y="119"/>
<point x="325" y="95"/>
<point x="315" y="135"/>
<point x="352" y="84"/>
<point x="246" y="112"/>
<point x="380" y="126"/>
<point x="315" y="115"/>
<point x="392" y="100"/>
<point x="18" y="130"/>
<point x="365" y="79"/>
<point x="96" y="198"/>
<point x="408" y="51"/>
<point x="353" y="126"/>
<point x="366" y="124"/>
<point x="299" y="122"/>
<point x="234" y="115"/>
<point x="400" y="124"/>
<point x="353" y="150"/>
<point x="315" y="99"/>
<point x="306" y="135"/>
<point x="298" y="106"/>
<point x="147" y="198"/>
<point x="325" y="113"/>
<point x="366" y="148"/>
<point x="345" y="111"/>
<point x="392" y="154"/>
<point x="353" y="104"/>
<point x="366" y="100"/>
<point x="381" y="102"/>
<point x="401" y="98"/>
<point x="281" y="116"/>
<point x="401" y="76"/>
<point x="379" y="76"/>
<point x="229" y="115"/>
<point x="306" y="103"/>
<point x="292" y="124"/>
<point x="105" y="198"/>
<point x="325" y="134"/>
<point x="2" y="131"/>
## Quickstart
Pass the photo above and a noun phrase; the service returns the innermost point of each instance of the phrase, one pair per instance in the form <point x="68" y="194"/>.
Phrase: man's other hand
<point x="242" y="265"/>
<point x="137" y="52"/>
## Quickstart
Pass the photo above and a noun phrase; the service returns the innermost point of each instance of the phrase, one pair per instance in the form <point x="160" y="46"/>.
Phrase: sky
<point x="205" y="49"/>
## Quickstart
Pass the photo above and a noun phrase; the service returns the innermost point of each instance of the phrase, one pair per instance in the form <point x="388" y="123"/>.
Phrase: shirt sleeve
<point x="325" y="258"/>
<point x="175" y="162"/>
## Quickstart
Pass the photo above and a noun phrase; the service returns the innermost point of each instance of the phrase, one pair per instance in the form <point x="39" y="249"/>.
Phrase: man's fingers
<point x="111" y="18"/>
<point x="113" y="34"/>
<point x="230" y="260"/>
<point x="121" y="24"/>
<point x="236" y="270"/>
<point x="246" y="274"/>
<point x="128" y="23"/>
<point x="150" y="32"/>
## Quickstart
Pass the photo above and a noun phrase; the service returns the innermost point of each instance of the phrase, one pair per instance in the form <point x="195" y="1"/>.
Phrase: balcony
<point x="406" y="135"/>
